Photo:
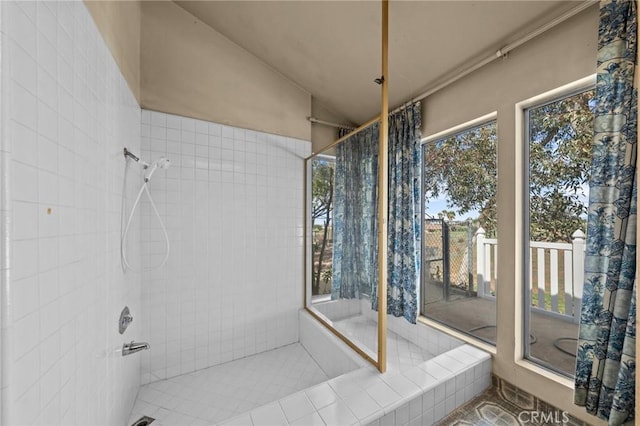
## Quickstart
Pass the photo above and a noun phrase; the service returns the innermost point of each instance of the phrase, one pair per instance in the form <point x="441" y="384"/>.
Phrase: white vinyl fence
<point x="558" y="273"/>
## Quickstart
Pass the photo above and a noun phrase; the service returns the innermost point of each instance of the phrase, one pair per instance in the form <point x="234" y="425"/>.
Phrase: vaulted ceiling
<point x="332" y="48"/>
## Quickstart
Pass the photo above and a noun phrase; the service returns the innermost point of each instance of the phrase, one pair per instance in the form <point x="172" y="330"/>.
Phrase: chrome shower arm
<point x="129" y="154"/>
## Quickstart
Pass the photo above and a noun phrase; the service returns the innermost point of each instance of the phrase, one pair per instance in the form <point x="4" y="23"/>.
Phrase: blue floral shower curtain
<point x="404" y="228"/>
<point x="355" y="224"/>
<point x="605" y="362"/>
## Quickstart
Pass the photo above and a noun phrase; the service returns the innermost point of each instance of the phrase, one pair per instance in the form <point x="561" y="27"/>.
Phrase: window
<point x="558" y="136"/>
<point x="322" y="204"/>
<point x="459" y="252"/>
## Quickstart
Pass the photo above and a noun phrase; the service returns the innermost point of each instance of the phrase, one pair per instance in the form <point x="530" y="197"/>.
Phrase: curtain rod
<point x="352" y="128"/>
<point x="331" y="124"/>
<point x="501" y="52"/>
<point x="345" y="137"/>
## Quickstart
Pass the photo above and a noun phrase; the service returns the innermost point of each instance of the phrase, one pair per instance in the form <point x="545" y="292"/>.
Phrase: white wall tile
<point x="68" y="114"/>
<point x="234" y="276"/>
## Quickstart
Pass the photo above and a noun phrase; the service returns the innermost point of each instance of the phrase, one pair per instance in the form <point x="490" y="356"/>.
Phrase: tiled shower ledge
<point x="428" y="391"/>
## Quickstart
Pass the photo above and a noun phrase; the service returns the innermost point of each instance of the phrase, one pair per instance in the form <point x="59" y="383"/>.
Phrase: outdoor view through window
<point x="322" y="203"/>
<point x="459" y="245"/>
<point x="559" y="135"/>
<point x="459" y="231"/>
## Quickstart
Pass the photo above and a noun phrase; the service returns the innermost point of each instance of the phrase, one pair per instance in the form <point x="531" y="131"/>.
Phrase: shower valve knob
<point x="125" y="320"/>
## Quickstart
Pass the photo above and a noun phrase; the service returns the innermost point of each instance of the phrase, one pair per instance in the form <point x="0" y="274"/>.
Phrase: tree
<point x="323" y="172"/>
<point x="447" y="214"/>
<point x="560" y="136"/>
<point x="463" y="168"/>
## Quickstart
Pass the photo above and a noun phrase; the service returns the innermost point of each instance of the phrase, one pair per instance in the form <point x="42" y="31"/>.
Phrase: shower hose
<point x="123" y="245"/>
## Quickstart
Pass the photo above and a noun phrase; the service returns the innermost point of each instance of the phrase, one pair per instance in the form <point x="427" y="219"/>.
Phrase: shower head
<point x="162" y="162"/>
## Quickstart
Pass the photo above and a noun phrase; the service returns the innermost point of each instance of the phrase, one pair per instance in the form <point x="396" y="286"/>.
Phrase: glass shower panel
<point x="342" y="238"/>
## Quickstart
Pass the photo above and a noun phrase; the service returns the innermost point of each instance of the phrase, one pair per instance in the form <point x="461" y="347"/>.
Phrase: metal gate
<point x="447" y="260"/>
<point x="435" y="280"/>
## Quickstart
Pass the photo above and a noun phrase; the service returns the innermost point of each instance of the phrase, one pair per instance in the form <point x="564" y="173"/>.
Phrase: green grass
<point x="547" y="301"/>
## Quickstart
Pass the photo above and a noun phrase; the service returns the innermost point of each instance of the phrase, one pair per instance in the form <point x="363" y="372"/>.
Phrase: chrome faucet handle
<point x="125" y="320"/>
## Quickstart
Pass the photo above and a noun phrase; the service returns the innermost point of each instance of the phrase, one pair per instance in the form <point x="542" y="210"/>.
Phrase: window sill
<point x="458" y="335"/>
<point x="547" y="374"/>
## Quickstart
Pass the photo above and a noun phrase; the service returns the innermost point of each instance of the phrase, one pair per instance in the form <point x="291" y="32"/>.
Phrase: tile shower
<point x="232" y="200"/>
<point x="232" y="205"/>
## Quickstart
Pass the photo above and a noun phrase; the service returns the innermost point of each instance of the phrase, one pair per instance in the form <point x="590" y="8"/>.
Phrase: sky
<point x="435" y="206"/>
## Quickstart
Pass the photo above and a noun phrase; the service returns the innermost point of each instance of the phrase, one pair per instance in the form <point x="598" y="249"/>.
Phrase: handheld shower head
<point x="162" y="162"/>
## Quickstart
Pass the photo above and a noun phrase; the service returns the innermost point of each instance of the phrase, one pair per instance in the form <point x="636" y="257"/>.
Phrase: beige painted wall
<point x="119" y="24"/>
<point x="322" y="135"/>
<point x="558" y="57"/>
<point x="561" y="55"/>
<point x="190" y="69"/>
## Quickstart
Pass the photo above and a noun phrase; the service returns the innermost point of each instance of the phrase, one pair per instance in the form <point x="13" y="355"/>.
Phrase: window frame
<point x="522" y="129"/>
<point x="309" y="279"/>
<point x="491" y="117"/>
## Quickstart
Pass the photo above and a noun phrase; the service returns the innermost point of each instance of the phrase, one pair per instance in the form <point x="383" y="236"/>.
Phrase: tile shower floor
<point x="204" y="397"/>
<point x="402" y="355"/>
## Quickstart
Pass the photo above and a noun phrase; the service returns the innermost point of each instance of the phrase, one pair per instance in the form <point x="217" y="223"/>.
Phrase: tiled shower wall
<point x="232" y="201"/>
<point x="67" y="113"/>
